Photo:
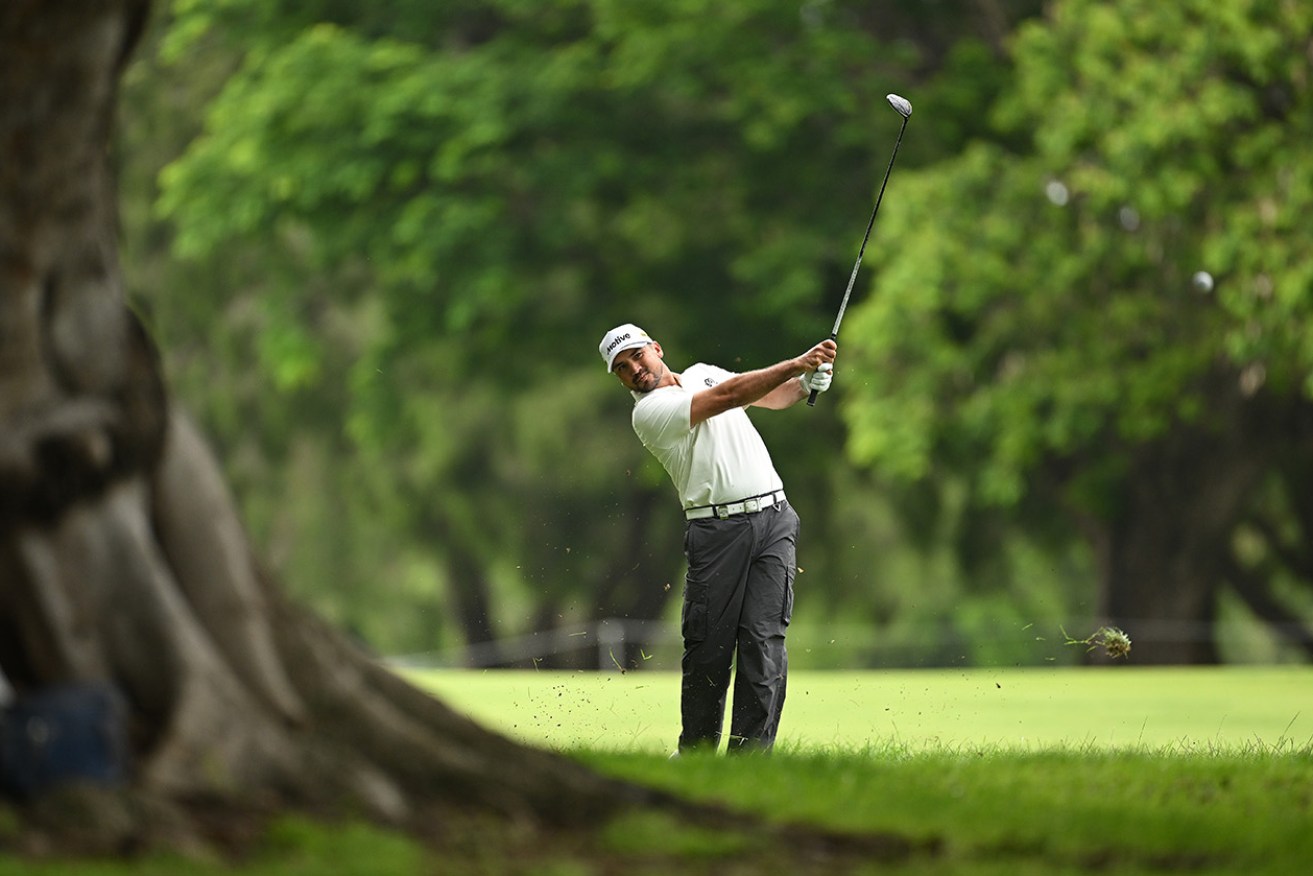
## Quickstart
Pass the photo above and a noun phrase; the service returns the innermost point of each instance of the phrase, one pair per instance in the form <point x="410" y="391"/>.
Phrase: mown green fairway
<point x="1115" y="707"/>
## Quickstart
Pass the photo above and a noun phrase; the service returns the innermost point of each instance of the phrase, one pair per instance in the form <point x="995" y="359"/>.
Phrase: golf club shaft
<point x="834" y="333"/>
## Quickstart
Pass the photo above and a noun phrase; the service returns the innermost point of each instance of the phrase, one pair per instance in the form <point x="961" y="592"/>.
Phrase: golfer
<point x="741" y="535"/>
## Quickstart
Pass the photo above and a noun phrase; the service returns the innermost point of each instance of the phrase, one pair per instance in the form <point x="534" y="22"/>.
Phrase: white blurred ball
<point x="1203" y="281"/>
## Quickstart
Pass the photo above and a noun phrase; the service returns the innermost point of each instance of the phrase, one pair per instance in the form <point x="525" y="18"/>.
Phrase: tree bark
<point x="641" y="579"/>
<point x="1163" y="557"/>
<point x="122" y="559"/>
<point x="471" y="594"/>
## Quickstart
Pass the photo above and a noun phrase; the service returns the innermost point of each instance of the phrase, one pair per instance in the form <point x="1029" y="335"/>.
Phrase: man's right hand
<point x="821" y="354"/>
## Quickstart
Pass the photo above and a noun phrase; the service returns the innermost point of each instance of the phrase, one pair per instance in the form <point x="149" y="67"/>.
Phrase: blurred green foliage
<point x="1039" y="334"/>
<point x="378" y="246"/>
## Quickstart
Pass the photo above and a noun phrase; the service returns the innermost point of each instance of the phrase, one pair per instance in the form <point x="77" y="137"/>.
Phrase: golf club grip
<point x="811" y="399"/>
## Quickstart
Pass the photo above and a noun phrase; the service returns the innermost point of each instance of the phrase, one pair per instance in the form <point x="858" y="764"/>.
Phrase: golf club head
<point x="900" y="104"/>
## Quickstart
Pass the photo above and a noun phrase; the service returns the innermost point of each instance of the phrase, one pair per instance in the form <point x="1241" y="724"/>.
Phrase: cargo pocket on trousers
<point x="693" y="621"/>
<point x="787" y="615"/>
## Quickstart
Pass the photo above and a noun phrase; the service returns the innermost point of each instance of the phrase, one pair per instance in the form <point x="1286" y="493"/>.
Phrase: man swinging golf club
<point x="741" y="535"/>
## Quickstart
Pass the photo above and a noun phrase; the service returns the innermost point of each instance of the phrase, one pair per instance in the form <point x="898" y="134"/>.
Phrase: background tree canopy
<point x="403" y="230"/>
<point x="1038" y="335"/>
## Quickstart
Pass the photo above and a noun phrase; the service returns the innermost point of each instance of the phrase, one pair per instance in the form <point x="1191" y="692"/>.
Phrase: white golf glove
<point x="818" y="380"/>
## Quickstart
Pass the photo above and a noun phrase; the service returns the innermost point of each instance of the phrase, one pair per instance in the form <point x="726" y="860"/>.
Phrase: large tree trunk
<point x="470" y="587"/>
<point x="121" y="556"/>
<point x="643" y="576"/>
<point x="1164" y="557"/>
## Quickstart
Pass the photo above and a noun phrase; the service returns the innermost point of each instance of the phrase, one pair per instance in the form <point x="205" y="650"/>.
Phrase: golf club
<point x="904" y="109"/>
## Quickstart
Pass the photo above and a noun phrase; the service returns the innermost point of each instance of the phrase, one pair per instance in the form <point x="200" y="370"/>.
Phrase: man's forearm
<point x="787" y="394"/>
<point x="750" y="387"/>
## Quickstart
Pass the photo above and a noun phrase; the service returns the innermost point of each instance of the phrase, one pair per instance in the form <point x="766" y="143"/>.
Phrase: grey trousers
<point x="738" y="599"/>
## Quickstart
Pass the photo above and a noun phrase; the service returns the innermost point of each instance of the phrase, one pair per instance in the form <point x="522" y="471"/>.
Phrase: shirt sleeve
<point x="710" y="375"/>
<point x="661" y="419"/>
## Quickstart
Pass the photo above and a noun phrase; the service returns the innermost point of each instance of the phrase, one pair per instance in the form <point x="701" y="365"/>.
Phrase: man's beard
<point x="647" y="381"/>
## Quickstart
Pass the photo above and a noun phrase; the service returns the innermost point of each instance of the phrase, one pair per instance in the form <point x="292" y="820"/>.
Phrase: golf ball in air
<point x="1203" y="281"/>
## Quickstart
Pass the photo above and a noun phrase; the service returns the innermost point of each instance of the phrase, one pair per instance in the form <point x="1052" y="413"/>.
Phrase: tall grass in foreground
<point x="1246" y="810"/>
<point x="974" y="811"/>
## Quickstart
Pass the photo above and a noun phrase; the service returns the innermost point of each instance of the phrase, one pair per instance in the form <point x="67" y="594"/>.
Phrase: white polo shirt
<point x="719" y="460"/>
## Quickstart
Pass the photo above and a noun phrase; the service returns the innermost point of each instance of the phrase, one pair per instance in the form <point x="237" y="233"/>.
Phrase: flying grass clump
<point x="1112" y="640"/>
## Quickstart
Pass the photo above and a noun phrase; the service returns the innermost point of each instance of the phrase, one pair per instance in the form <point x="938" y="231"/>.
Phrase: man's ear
<point x="661" y="354"/>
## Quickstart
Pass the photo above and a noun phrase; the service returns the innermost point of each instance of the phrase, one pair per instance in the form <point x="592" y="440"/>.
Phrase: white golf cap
<point x="621" y="338"/>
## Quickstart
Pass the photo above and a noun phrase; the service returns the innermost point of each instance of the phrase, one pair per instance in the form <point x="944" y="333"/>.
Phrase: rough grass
<point x="290" y="847"/>
<point x="1064" y="810"/>
<point x="959" y="811"/>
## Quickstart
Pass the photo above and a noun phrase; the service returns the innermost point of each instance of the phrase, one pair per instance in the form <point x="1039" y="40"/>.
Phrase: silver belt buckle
<point x="722" y="511"/>
<point x="751" y="506"/>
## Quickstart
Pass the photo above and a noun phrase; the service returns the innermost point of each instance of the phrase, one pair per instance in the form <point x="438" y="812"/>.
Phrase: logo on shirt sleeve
<point x="711" y="381"/>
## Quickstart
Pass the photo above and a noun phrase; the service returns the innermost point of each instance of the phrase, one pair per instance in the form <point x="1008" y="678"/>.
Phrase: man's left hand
<point x="818" y="380"/>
